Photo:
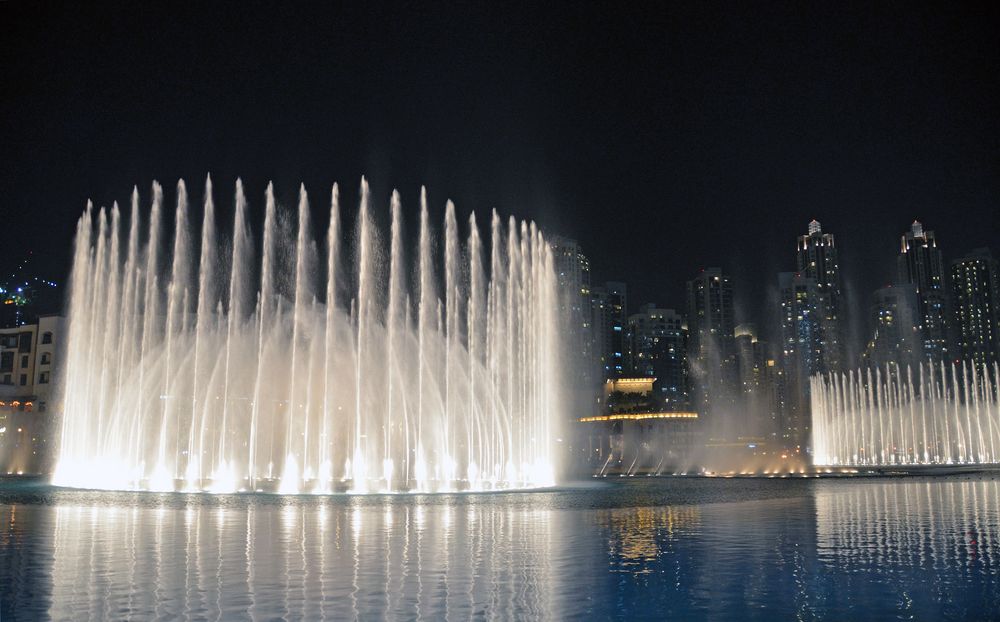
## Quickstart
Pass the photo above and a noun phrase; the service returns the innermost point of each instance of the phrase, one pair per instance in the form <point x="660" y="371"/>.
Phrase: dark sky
<point x="665" y="138"/>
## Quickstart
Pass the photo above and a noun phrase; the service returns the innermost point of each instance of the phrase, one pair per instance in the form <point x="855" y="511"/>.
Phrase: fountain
<point x="936" y="414"/>
<point x="225" y="366"/>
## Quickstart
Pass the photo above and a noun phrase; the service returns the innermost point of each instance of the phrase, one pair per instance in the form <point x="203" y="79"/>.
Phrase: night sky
<point x="664" y="139"/>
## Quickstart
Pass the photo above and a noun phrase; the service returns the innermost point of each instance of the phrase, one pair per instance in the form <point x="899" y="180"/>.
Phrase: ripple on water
<point x="683" y="548"/>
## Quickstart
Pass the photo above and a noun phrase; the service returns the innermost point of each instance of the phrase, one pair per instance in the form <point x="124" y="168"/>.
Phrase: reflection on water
<point x="299" y="562"/>
<point x="670" y="548"/>
<point x="914" y="524"/>
<point x="922" y="541"/>
<point x="638" y="538"/>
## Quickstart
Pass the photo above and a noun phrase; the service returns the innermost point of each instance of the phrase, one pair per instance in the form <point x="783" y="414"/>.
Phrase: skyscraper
<point x="801" y="350"/>
<point x="658" y="348"/>
<point x="921" y="265"/>
<point x="711" y="346"/>
<point x="975" y="286"/>
<point x="573" y="276"/>
<point x="816" y="257"/>
<point x="609" y="303"/>
<point x="897" y="339"/>
<point x="756" y="382"/>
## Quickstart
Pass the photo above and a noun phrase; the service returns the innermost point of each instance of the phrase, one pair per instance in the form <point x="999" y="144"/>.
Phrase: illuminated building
<point x="573" y="277"/>
<point x="920" y="264"/>
<point x="816" y="256"/>
<point x="637" y="385"/>
<point x="800" y="355"/>
<point x="896" y="317"/>
<point x="757" y="383"/>
<point x="609" y="304"/>
<point x="633" y="437"/>
<point x="580" y="374"/>
<point x="975" y="286"/>
<point x="811" y="329"/>
<point x="657" y="341"/>
<point x="711" y="348"/>
<point x="28" y="398"/>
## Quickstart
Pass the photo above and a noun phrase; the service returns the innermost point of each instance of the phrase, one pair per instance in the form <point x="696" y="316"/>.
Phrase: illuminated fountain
<point x="214" y="362"/>
<point x="934" y="414"/>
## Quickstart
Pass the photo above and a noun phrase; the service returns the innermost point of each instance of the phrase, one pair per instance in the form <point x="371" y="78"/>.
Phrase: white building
<point x="28" y="396"/>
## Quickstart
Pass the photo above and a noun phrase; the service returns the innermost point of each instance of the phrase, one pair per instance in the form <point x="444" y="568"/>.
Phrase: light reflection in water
<point x="297" y="562"/>
<point x="910" y="524"/>
<point x="638" y="537"/>
<point x="920" y="548"/>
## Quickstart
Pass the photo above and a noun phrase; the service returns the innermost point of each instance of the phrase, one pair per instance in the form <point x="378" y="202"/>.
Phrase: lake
<point x="671" y="548"/>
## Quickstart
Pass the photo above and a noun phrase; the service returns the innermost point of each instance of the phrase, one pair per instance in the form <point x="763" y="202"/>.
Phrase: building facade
<point x="28" y="395"/>
<point x="757" y="384"/>
<point x="658" y="348"/>
<point x="921" y="265"/>
<point x="817" y="259"/>
<point x="609" y="303"/>
<point x="975" y="286"/>
<point x="711" y="348"/>
<point x="897" y="338"/>
<point x="800" y="354"/>
<point x="632" y="437"/>
<point x="573" y="278"/>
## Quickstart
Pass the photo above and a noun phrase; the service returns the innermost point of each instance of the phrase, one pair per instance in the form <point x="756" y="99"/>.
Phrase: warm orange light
<point x="639" y="416"/>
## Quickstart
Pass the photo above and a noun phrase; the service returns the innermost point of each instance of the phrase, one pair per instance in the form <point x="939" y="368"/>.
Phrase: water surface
<point x="692" y="549"/>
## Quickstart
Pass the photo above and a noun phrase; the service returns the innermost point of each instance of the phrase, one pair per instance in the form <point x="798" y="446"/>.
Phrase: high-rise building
<point x="712" y="354"/>
<point x="609" y="303"/>
<point x="573" y="278"/>
<point x="920" y="264"/>
<point x="816" y="256"/>
<point x="801" y="352"/>
<point x="658" y="348"/>
<point x="975" y="287"/>
<point x="757" y="382"/>
<point x="896" y="339"/>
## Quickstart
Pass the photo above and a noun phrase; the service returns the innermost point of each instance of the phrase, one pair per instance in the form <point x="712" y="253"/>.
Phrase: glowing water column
<point x="931" y="414"/>
<point x="211" y="361"/>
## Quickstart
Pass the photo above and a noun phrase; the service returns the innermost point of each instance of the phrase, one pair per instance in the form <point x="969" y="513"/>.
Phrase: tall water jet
<point x="266" y="304"/>
<point x="185" y="373"/>
<point x="474" y="338"/>
<point x="177" y="296"/>
<point x="425" y="323"/>
<point x="297" y="413"/>
<point x="365" y="266"/>
<point x="207" y="267"/>
<point x="327" y="452"/>
<point x="395" y="406"/>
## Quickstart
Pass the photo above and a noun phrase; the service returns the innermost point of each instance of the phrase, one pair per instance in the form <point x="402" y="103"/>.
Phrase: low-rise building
<point x="635" y="438"/>
<point x="29" y="400"/>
